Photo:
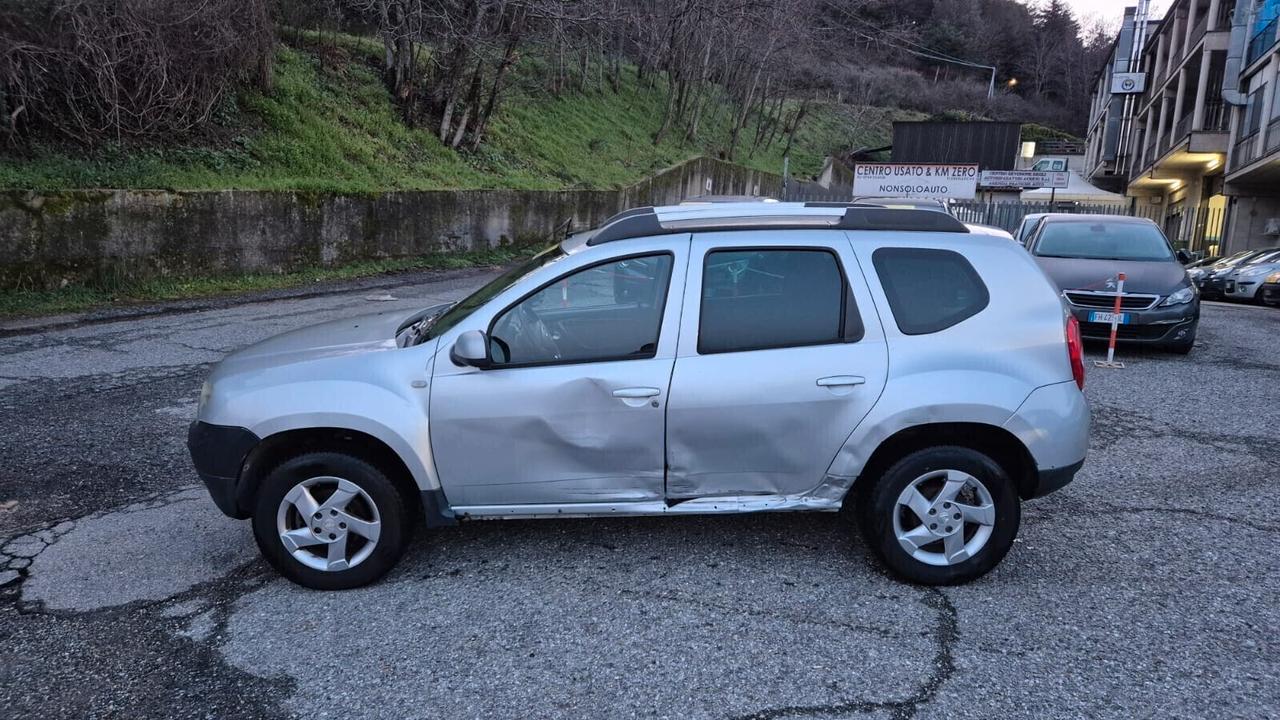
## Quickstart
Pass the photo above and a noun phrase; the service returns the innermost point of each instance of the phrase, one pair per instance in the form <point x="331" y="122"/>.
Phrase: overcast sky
<point x="1111" y="10"/>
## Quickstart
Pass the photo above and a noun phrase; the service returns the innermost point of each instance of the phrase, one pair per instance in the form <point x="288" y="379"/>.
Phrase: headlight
<point x="1254" y="272"/>
<point x="1273" y="278"/>
<point x="1181" y="297"/>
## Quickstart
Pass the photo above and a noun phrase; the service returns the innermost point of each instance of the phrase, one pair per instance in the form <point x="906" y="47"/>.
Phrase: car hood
<point x="1259" y="270"/>
<point x="1148" y="277"/>
<point x="350" y="336"/>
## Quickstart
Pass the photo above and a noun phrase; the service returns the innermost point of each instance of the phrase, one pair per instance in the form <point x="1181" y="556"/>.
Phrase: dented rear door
<point x="781" y="356"/>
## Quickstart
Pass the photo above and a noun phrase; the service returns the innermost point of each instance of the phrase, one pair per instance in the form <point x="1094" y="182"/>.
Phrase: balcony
<point x="1216" y="118"/>
<point x="1197" y="32"/>
<point x="1183" y="128"/>
<point x="1245" y="151"/>
<point x="1261" y="42"/>
<point x="1254" y="166"/>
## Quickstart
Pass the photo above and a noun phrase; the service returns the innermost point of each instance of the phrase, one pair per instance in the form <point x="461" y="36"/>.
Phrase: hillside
<point x="329" y="124"/>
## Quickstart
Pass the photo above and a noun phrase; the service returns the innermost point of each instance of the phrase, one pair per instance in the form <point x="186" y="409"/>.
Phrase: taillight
<point x="1075" y="350"/>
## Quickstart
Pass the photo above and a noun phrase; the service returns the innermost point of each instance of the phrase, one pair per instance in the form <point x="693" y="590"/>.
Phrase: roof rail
<point x="645" y="222"/>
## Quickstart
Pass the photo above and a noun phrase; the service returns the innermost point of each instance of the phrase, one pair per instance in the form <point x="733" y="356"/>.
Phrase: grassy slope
<point x="333" y="127"/>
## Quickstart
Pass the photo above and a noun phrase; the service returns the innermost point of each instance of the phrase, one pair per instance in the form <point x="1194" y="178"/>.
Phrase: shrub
<point x="92" y="70"/>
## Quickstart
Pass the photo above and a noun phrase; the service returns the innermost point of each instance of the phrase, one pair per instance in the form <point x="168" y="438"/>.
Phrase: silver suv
<point x="680" y="360"/>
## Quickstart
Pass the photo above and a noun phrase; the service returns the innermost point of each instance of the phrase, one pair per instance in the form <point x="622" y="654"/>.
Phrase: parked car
<point x="1201" y="263"/>
<point x="1271" y="290"/>
<point x="1211" y="280"/>
<point x="1084" y="255"/>
<point x="1244" y="282"/>
<point x="1027" y="227"/>
<point x="754" y="358"/>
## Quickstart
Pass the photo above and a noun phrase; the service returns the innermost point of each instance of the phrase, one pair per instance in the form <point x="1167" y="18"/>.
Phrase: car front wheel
<point x="941" y="516"/>
<point x="330" y="521"/>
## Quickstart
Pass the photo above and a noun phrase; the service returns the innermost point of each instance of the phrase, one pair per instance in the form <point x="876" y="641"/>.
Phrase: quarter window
<point x="753" y="299"/>
<point x="610" y="311"/>
<point x="929" y="290"/>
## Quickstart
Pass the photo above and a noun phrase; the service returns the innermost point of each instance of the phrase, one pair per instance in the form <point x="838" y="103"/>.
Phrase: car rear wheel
<point x="330" y="521"/>
<point x="941" y="516"/>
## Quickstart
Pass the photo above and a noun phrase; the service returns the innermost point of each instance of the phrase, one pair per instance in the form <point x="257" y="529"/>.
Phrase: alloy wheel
<point x="328" y="523"/>
<point x="944" y="517"/>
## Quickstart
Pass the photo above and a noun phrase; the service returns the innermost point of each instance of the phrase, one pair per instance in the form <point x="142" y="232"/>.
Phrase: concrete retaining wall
<point x="108" y="235"/>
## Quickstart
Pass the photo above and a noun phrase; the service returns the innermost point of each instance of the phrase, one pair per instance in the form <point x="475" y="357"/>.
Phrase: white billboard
<point x="945" y="182"/>
<point x="1020" y="179"/>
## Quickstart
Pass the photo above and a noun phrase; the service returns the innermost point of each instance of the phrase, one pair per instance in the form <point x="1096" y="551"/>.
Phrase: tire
<point x="882" y="518"/>
<point x="351" y="494"/>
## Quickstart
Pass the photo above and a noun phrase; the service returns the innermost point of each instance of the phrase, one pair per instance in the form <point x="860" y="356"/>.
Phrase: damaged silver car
<point x="678" y="360"/>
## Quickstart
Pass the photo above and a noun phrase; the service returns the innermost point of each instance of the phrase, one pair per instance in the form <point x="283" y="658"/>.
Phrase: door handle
<point x="841" y="381"/>
<point x="636" y="392"/>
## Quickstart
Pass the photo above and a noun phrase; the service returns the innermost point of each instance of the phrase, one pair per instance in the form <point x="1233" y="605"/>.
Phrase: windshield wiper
<point x="416" y="333"/>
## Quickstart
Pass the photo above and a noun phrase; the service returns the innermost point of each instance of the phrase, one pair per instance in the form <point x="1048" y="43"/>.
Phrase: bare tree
<point x="94" y="69"/>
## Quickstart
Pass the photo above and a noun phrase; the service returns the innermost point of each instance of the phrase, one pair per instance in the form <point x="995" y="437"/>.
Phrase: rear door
<point x="781" y="355"/>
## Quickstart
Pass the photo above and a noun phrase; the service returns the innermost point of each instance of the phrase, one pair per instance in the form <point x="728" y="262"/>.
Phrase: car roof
<point x="903" y="202"/>
<point x="670" y="219"/>
<point x="1081" y="218"/>
<point x="724" y="199"/>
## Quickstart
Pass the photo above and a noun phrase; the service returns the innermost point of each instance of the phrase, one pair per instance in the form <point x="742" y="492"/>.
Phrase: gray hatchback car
<point x="721" y="358"/>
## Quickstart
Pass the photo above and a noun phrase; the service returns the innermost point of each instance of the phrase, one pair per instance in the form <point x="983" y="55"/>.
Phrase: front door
<point x="781" y="356"/>
<point x="572" y="410"/>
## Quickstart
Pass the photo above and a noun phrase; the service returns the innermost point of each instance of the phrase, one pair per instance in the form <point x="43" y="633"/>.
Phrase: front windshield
<point x="468" y="305"/>
<point x="1103" y="241"/>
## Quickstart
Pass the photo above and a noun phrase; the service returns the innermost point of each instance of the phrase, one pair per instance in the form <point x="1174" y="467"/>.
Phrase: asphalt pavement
<point x="1148" y="587"/>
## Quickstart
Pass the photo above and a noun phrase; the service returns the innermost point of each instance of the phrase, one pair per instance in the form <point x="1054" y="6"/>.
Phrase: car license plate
<point x="1106" y="317"/>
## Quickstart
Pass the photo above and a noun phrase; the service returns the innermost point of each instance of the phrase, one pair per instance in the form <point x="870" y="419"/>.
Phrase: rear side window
<point x="929" y="290"/>
<point x="753" y="299"/>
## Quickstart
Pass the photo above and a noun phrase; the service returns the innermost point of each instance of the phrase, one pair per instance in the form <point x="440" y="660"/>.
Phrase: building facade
<point x="1193" y="136"/>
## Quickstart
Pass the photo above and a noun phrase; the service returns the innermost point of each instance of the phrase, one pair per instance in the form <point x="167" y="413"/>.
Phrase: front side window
<point x="929" y="290"/>
<point x="610" y="311"/>
<point x="753" y="299"/>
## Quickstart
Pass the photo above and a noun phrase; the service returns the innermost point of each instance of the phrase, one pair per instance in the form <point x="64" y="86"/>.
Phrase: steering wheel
<point x="535" y="334"/>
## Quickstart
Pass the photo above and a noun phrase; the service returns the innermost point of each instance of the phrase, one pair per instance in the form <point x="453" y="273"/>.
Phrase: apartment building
<point x="1186" y="123"/>
<point x="1253" y="168"/>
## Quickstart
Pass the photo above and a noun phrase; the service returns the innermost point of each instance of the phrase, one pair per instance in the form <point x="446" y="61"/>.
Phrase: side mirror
<point x="1184" y="257"/>
<point x="471" y="349"/>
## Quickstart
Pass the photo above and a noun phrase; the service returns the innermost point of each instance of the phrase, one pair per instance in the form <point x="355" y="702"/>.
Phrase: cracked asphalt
<point x="1148" y="587"/>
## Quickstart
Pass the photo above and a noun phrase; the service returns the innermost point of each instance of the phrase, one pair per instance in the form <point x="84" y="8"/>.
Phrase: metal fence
<point x="1197" y="229"/>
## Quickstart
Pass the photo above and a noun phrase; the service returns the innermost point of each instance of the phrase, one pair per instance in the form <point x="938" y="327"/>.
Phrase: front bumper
<point x="1241" y="289"/>
<point x="1211" y="287"/>
<point x="1157" y="326"/>
<point x="218" y="452"/>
